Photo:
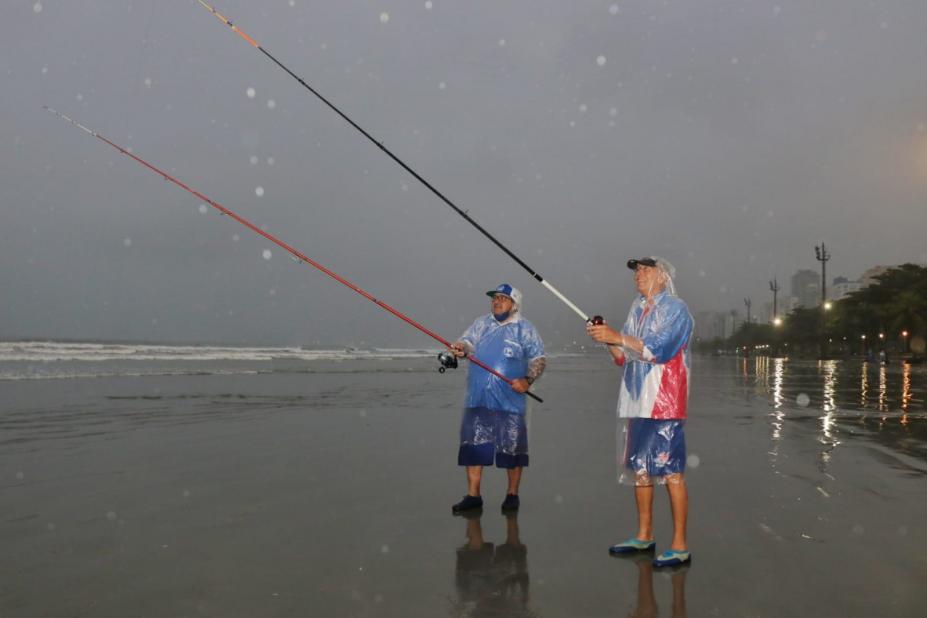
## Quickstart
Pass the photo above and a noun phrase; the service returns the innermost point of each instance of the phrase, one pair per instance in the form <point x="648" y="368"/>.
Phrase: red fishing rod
<point x="447" y="360"/>
<point x="594" y="320"/>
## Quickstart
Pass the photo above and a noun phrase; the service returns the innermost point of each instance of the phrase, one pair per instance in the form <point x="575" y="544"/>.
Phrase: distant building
<point x="806" y="287"/>
<point x="842" y="287"/>
<point x="869" y="277"/>
<point x="765" y="314"/>
<point x="711" y="325"/>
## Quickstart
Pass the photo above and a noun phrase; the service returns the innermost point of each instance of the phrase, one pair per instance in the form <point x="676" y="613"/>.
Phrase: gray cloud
<point x="729" y="137"/>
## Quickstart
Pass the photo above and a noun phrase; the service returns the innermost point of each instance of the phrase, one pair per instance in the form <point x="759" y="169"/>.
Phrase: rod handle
<point x="533" y="396"/>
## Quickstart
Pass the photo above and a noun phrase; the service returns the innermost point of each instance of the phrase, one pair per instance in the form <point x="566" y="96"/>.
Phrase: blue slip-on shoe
<point x="672" y="557"/>
<point x="631" y="546"/>
<point x="469" y="503"/>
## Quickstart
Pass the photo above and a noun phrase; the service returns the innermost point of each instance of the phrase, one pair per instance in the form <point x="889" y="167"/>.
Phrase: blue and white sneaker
<point x="672" y="557"/>
<point x="631" y="546"/>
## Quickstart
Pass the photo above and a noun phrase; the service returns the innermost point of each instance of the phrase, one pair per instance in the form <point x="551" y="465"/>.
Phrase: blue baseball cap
<point x="507" y="290"/>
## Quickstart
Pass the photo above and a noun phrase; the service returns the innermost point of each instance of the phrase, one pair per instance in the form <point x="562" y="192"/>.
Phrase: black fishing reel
<point x="597" y="320"/>
<point x="447" y="360"/>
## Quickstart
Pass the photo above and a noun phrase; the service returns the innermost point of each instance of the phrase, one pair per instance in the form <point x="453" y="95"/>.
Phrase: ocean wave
<point x="51" y="352"/>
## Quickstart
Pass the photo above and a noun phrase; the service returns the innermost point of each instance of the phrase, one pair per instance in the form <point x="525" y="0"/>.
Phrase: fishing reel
<point x="597" y="320"/>
<point x="447" y="360"/>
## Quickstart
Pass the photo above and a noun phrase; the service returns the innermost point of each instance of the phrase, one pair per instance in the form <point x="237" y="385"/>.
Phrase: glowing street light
<point x="828" y="306"/>
<point x="777" y="321"/>
<point x="904" y="341"/>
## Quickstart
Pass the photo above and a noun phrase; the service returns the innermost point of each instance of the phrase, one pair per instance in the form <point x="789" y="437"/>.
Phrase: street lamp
<point x="822" y="255"/>
<point x="774" y="288"/>
<point x="777" y="321"/>
<point x="828" y="306"/>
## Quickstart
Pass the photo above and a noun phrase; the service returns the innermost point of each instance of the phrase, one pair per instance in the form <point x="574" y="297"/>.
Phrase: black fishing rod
<point x="379" y="144"/>
<point x="447" y="360"/>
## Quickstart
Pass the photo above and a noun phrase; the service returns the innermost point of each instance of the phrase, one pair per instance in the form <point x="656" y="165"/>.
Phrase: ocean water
<point x="190" y="481"/>
<point x="30" y="360"/>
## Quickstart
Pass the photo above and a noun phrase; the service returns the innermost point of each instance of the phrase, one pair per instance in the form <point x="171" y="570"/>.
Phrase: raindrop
<point x="80" y="97"/>
<point x="902" y="530"/>
<point x="111" y="515"/>
<point x="734" y="60"/>
<point x="235" y="237"/>
<point x="250" y="92"/>
<point x="148" y="82"/>
<point x="20" y="476"/>
<point x="858" y="529"/>
<point x="259" y="191"/>
<point x="600" y="61"/>
<point x="271" y="104"/>
<point x="702" y="273"/>
<point x="428" y="5"/>
<point x="558" y="499"/>
<point x="501" y="42"/>
<point x="203" y="208"/>
<point x="384" y="549"/>
<point x="266" y="254"/>
<point x="693" y="461"/>
<point x="384" y="17"/>
<point x="803" y="400"/>
<point x="292" y="2"/>
<point x="186" y="493"/>
<point x="613" y="111"/>
<point x="405" y="187"/>
<point x="613" y="9"/>
<point x="37" y="7"/>
<point x="51" y="527"/>
<point x="253" y="159"/>
<point x="442" y="86"/>
<point x="582" y="108"/>
<point x="44" y="70"/>
<point x="127" y="242"/>
<point x="271" y="160"/>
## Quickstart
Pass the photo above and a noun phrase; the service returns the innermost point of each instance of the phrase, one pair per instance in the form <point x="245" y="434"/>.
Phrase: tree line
<point x="895" y="304"/>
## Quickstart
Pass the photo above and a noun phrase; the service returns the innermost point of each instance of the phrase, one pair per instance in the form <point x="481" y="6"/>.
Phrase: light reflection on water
<point x="846" y="399"/>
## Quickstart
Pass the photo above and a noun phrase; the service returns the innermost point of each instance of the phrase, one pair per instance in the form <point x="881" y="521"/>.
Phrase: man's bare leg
<point x="514" y="480"/>
<point x="644" y="497"/>
<point x="679" y="503"/>
<point x="474" y="476"/>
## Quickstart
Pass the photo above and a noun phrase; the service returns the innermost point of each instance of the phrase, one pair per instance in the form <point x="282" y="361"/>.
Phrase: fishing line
<point x="298" y="256"/>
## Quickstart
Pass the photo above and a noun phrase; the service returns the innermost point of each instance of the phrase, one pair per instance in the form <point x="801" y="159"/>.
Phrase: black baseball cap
<point x="646" y="261"/>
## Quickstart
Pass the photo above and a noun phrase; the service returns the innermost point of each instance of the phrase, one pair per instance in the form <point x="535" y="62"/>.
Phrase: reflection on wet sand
<point x="646" y="602"/>
<point x="878" y="401"/>
<point x="492" y="579"/>
<point x="828" y="437"/>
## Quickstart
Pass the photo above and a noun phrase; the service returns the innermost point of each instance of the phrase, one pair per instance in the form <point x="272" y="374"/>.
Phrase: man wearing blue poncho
<point x="653" y="347"/>
<point x="493" y="429"/>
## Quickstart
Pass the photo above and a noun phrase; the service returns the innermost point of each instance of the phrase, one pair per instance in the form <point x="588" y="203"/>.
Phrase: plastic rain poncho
<point x="655" y="386"/>
<point x="508" y="348"/>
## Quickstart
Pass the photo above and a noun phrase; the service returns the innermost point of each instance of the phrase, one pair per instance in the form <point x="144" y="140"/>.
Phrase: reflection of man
<point x="652" y="345"/>
<point x="492" y="580"/>
<point x="493" y="428"/>
<point x="646" y="599"/>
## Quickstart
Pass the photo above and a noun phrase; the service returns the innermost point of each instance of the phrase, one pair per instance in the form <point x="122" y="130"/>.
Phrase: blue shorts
<point x="493" y="436"/>
<point x="655" y="448"/>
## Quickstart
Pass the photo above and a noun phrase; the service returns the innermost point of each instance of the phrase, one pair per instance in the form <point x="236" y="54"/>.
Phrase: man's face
<point x="501" y="304"/>
<point x="648" y="279"/>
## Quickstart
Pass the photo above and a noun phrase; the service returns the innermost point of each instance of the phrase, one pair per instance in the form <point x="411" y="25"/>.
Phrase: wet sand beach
<point x="324" y="489"/>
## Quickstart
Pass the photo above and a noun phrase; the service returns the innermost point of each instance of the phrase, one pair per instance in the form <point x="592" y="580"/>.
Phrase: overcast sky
<point x="728" y="136"/>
